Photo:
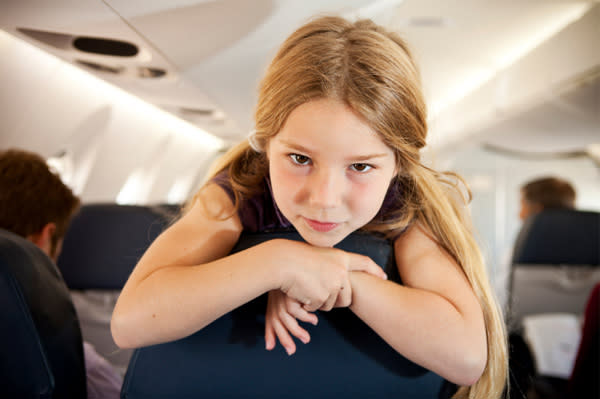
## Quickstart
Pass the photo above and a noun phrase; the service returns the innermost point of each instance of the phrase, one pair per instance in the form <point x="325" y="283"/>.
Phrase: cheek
<point x="284" y="183"/>
<point x="367" y="198"/>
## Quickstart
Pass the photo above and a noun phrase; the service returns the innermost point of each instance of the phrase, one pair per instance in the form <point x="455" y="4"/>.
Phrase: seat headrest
<point x="559" y="236"/>
<point x="37" y="309"/>
<point x="227" y="358"/>
<point x="105" y="241"/>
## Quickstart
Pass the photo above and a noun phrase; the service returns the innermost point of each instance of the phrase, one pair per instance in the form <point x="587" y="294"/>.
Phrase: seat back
<point x="41" y="352"/>
<point x="101" y="248"/>
<point x="555" y="263"/>
<point x="344" y="358"/>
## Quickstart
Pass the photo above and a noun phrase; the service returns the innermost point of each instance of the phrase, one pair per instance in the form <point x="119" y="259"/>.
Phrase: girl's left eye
<point x="361" y="167"/>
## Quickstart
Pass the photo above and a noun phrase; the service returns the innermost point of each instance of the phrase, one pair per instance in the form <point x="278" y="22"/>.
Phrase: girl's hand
<point x="319" y="278"/>
<point x="281" y="320"/>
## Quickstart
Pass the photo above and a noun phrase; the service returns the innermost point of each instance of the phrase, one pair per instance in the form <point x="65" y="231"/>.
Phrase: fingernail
<point x="289" y="351"/>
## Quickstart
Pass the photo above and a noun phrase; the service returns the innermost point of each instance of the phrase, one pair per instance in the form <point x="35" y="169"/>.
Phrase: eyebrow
<point x="359" y="158"/>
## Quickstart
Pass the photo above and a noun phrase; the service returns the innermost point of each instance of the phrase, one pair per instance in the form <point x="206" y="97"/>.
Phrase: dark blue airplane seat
<point x="102" y="246"/>
<point x="561" y="236"/>
<point x="556" y="263"/>
<point x="41" y="351"/>
<point x="105" y="241"/>
<point x="228" y="359"/>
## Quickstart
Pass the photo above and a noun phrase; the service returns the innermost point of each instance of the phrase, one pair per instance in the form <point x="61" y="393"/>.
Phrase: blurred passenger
<point x="37" y="205"/>
<point x="536" y="195"/>
<point x="546" y="193"/>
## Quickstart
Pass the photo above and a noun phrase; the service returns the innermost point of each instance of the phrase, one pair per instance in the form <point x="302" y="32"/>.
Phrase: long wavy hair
<point x="372" y="71"/>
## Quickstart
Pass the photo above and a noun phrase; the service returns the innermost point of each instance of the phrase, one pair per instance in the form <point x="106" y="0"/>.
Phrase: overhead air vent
<point x="101" y="67"/>
<point x="98" y="45"/>
<point x="204" y="116"/>
<point x="54" y="39"/>
<point x="87" y="44"/>
<point x="197" y="111"/>
<point x="148" y="72"/>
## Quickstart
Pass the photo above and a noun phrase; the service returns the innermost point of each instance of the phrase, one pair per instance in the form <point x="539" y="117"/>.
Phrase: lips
<point x="322" y="227"/>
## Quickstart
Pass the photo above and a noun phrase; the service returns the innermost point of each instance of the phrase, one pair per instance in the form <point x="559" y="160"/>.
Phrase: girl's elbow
<point x="118" y="330"/>
<point x="472" y="368"/>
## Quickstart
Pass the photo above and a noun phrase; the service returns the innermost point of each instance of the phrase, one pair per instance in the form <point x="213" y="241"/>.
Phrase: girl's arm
<point x="169" y="295"/>
<point x="434" y="319"/>
<point x="186" y="279"/>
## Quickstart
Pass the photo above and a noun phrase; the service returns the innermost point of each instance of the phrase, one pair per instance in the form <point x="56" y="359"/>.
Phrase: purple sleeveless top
<point x="261" y="214"/>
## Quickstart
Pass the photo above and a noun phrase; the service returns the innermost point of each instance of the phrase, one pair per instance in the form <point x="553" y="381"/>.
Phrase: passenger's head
<point x="359" y="64"/>
<point x="34" y="202"/>
<point x="546" y="193"/>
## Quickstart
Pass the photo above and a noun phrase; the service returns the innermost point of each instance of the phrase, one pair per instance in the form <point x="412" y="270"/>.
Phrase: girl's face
<point x="329" y="171"/>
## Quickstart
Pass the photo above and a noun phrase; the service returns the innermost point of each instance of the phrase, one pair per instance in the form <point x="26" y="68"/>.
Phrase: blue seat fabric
<point x="41" y="351"/>
<point x="227" y="359"/>
<point x="103" y="244"/>
<point x="561" y="236"/>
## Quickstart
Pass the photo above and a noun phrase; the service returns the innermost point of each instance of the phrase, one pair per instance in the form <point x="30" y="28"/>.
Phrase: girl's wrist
<point x="277" y="270"/>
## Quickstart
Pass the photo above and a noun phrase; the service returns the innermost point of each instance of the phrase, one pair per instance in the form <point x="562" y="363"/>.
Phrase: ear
<point x="43" y="238"/>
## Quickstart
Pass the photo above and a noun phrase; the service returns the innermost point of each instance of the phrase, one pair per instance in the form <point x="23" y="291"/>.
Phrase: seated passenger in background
<point x="546" y="193"/>
<point x="37" y="205"/>
<point x="536" y="195"/>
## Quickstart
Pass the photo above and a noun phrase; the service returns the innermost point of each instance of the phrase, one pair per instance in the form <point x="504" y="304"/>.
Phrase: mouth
<point x="322" y="227"/>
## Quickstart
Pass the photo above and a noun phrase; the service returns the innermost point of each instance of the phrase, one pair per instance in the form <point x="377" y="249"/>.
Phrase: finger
<point x="365" y="264"/>
<point x="295" y="309"/>
<point x="284" y="338"/>
<point x="328" y="305"/>
<point x="269" y="335"/>
<point x="294" y="328"/>
<point x="311" y="306"/>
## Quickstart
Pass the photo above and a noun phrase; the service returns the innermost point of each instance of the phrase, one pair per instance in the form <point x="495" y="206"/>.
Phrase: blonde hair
<point x="372" y="71"/>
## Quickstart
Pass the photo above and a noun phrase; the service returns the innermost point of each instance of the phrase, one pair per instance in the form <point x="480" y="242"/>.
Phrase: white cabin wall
<point x="48" y="106"/>
<point x="495" y="182"/>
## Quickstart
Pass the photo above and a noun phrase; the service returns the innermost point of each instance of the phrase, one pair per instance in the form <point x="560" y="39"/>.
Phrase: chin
<point x="322" y="239"/>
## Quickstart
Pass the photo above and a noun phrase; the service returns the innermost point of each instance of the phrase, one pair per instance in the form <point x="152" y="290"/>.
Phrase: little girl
<point x="340" y="123"/>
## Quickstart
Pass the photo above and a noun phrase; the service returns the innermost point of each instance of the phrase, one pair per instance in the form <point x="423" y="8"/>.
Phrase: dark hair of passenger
<point x="32" y="195"/>
<point x="549" y="192"/>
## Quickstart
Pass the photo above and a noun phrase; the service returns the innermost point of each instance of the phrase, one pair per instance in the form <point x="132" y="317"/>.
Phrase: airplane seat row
<point x="556" y="262"/>
<point x="225" y="359"/>
<point x="41" y="351"/>
<point x="555" y="266"/>
<point x="101" y="247"/>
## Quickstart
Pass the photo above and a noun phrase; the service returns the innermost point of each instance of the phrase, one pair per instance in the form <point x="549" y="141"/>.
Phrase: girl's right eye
<point x="299" y="159"/>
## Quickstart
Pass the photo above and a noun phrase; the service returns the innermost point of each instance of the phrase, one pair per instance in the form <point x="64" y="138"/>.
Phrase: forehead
<point x="326" y="124"/>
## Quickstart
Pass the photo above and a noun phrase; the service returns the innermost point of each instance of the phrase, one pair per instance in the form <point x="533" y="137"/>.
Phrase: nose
<point x="326" y="189"/>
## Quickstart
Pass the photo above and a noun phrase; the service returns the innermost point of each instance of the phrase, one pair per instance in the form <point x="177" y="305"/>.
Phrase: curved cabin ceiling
<point x="486" y="66"/>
